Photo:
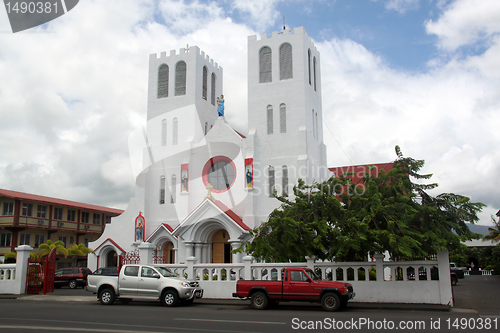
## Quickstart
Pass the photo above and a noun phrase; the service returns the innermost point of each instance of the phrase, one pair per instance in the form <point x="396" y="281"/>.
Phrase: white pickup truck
<point x="143" y="281"/>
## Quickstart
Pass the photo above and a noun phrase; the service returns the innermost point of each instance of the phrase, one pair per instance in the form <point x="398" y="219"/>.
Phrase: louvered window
<point x="283" y="118"/>
<point x="212" y="90"/>
<point x="286" y="63"/>
<point x="205" y="83"/>
<point x="164" y="132"/>
<point x="270" y="119"/>
<point x="163" y="81"/>
<point x="285" y="181"/>
<point x="309" y="64"/>
<point x="265" y="64"/>
<point x="180" y="78"/>
<point x="271" y="181"/>
<point x="175" y="131"/>
<point x="173" y="187"/>
<point x="162" y="190"/>
<point x="314" y="72"/>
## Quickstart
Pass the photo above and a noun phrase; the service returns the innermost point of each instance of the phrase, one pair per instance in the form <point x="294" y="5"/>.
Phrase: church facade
<point x="203" y="185"/>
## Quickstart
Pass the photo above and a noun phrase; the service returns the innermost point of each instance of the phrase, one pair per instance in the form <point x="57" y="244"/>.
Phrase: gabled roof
<point x="53" y="201"/>
<point x="223" y="209"/>
<point x="163" y="226"/>
<point x="112" y="242"/>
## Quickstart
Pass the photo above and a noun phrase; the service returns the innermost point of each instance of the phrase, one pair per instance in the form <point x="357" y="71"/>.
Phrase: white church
<point x="203" y="185"/>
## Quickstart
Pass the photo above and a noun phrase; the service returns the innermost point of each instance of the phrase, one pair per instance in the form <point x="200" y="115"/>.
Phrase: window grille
<point x="286" y="63"/>
<point x="271" y="181"/>
<point x="283" y="118"/>
<point x="212" y="90"/>
<point x="163" y="81"/>
<point x="180" y="78"/>
<point x="164" y="132"/>
<point x="270" y="119"/>
<point x="265" y="64"/>
<point x="205" y="83"/>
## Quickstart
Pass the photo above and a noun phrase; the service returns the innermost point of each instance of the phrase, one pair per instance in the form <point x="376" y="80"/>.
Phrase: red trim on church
<point x="113" y="242"/>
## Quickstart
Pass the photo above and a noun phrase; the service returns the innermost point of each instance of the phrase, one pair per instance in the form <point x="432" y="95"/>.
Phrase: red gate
<point x="40" y="276"/>
<point x="131" y="257"/>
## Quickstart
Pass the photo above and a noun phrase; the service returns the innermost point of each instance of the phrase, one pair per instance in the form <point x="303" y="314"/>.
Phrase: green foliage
<point x="45" y="248"/>
<point x="10" y="255"/>
<point x="494" y="235"/>
<point x="79" y="250"/>
<point x="341" y="221"/>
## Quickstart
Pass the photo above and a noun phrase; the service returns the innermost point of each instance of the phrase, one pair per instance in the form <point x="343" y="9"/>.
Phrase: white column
<point x="23" y="254"/>
<point x="248" y="267"/>
<point x="146" y="253"/>
<point x="189" y="249"/>
<point x="445" y="278"/>
<point x="236" y="256"/>
<point x="197" y="251"/>
<point x="206" y="253"/>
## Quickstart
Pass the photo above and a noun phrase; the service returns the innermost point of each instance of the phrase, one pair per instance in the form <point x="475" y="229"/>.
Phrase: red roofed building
<point x="29" y="219"/>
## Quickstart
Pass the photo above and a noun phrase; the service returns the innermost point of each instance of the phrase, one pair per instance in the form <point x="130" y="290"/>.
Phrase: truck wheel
<point x="107" y="296"/>
<point x="259" y="300"/>
<point x="169" y="298"/>
<point x="330" y="302"/>
<point x="454" y="280"/>
<point x="72" y="284"/>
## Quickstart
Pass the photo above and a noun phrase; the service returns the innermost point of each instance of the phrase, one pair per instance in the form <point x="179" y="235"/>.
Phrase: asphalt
<point x="473" y="294"/>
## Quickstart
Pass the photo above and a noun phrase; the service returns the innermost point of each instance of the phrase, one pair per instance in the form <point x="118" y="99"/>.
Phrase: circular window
<point x="220" y="173"/>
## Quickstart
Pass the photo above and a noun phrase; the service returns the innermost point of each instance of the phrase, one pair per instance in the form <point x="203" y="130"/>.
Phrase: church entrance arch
<point x="109" y="258"/>
<point x="165" y="253"/>
<point x="221" y="248"/>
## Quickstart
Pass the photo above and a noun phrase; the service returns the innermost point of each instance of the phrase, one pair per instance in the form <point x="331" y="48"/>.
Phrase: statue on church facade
<point x="220" y="106"/>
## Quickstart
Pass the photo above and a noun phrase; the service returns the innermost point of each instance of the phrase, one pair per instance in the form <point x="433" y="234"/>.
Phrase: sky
<point x="420" y="74"/>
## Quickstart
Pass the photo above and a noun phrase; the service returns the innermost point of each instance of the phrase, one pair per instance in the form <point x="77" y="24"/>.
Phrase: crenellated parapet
<point x="299" y="31"/>
<point x="181" y="55"/>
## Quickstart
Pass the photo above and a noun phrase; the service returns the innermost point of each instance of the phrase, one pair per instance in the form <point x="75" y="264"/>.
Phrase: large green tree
<point x="339" y="220"/>
<point x="45" y="248"/>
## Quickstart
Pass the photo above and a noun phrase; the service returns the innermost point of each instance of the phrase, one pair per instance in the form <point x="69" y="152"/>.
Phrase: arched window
<point x="173" y="189"/>
<point x="164" y="132"/>
<point x="265" y="65"/>
<point x="317" y="126"/>
<point x="283" y="118"/>
<point x="313" y="125"/>
<point x="212" y="90"/>
<point x="270" y="119"/>
<point x="175" y="131"/>
<point x="220" y="172"/>
<point x="204" y="91"/>
<point x="180" y="78"/>
<point x="314" y="72"/>
<point x="285" y="181"/>
<point x="270" y="174"/>
<point x="206" y="128"/>
<point x="162" y="190"/>
<point x="309" y="64"/>
<point x="286" y="63"/>
<point x="163" y="81"/>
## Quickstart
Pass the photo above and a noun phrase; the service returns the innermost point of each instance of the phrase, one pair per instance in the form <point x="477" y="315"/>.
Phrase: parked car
<point x="72" y="277"/>
<point x="143" y="281"/>
<point x="298" y="284"/>
<point x="108" y="271"/>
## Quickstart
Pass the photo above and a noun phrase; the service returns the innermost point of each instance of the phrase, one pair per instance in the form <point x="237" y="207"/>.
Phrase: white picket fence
<point x="481" y="272"/>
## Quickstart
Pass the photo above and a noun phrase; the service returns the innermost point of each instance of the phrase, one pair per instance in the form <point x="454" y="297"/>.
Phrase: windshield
<point x="166" y="272"/>
<point x="313" y="275"/>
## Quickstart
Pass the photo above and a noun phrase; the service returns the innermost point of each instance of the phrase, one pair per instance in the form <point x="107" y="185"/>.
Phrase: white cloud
<point x="466" y="22"/>
<point x="402" y="6"/>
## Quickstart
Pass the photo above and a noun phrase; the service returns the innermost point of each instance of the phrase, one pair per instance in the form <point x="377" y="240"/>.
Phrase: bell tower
<point x="285" y="114"/>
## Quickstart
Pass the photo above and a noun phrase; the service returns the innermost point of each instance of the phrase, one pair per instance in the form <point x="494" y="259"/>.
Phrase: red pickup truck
<point x="298" y="284"/>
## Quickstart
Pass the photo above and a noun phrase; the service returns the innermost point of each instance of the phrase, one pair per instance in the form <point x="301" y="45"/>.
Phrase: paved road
<point x="480" y="293"/>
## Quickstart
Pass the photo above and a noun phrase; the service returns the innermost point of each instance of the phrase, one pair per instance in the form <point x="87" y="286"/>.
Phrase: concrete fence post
<point x="247" y="261"/>
<point x="146" y="253"/>
<point x="379" y="266"/>
<point x="445" y="278"/>
<point x="310" y="262"/>
<point x="23" y="254"/>
<point x="191" y="261"/>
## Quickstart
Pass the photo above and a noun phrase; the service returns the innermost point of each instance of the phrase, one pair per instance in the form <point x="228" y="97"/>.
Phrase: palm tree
<point x="44" y="249"/>
<point x="79" y="250"/>
<point x="494" y="235"/>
